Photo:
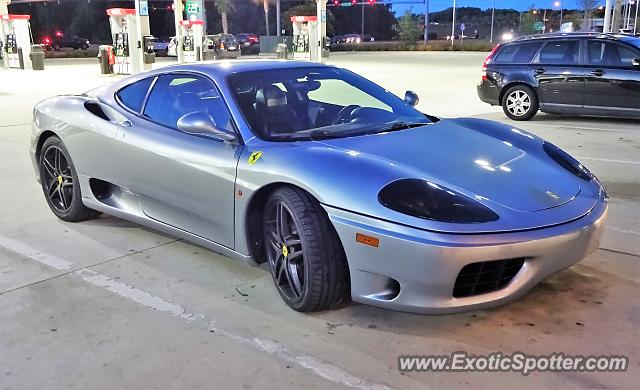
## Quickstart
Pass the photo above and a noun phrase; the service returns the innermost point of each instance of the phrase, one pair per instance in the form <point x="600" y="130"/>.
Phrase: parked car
<point x="344" y="189"/>
<point x="581" y="73"/>
<point x="224" y="45"/>
<point x="161" y="47"/>
<point x="355" y="38"/>
<point x="249" y="43"/>
<point x="59" y="40"/>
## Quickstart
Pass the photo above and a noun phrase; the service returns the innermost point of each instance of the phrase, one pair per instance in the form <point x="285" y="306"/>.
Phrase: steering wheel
<point x="345" y="114"/>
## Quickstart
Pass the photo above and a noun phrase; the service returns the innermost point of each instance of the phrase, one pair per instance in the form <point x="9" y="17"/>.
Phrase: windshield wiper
<point x="398" y="125"/>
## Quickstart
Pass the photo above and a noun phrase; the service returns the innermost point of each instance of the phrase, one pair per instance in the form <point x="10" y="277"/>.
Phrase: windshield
<point x="318" y="103"/>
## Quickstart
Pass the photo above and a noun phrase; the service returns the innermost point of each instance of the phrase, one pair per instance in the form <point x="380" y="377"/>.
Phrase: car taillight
<point x="253" y="39"/>
<point x="488" y="61"/>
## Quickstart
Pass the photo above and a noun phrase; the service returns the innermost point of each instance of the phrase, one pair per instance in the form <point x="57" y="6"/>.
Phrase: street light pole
<point x="426" y="21"/>
<point x="493" y="16"/>
<point x="278" y="28"/>
<point x="362" y="26"/>
<point x="608" y="9"/>
<point x="561" y="13"/>
<point x="635" y="22"/>
<point x="453" y="24"/>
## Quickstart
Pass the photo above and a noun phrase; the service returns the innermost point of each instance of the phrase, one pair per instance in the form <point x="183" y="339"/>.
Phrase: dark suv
<point x="59" y="40"/>
<point x="580" y="73"/>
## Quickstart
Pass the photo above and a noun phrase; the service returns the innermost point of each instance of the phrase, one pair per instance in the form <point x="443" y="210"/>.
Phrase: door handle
<point x="123" y="123"/>
<point x="539" y="71"/>
<point x="598" y="72"/>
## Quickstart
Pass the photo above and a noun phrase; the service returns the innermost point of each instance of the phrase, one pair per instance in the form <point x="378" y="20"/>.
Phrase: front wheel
<point x="306" y="258"/>
<point x="520" y="103"/>
<point x="60" y="183"/>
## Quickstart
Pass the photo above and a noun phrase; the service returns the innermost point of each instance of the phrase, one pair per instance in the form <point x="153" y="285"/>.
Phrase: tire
<point x="520" y="103"/>
<point x="60" y="184"/>
<point x="304" y="247"/>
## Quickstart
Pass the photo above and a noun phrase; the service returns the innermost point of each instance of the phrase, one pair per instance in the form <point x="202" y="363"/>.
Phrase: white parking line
<point x="560" y="125"/>
<point x="34" y="254"/>
<point x="309" y="363"/>
<point x="608" y="160"/>
<point x="618" y="230"/>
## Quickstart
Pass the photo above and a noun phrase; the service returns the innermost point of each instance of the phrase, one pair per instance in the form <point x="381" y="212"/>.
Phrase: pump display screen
<point x="12" y="46"/>
<point x="121" y="45"/>
<point x="188" y="43"/>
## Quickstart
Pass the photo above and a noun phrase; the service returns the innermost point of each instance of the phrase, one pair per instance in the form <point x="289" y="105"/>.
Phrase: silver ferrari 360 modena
<point x="344" y="189"/>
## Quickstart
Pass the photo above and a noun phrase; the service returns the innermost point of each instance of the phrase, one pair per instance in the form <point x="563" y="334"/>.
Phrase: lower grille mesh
<point x="486" y="276"/>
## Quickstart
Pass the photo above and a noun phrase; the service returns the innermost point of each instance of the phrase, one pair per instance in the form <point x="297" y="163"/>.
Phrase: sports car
<point x="344" y="189"/>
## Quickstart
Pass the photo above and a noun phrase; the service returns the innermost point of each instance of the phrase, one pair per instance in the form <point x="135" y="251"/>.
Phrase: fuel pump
<point x="149" y="55"/>
<point x="132" y="44"/>
<point x="192" y="32"/>
<point x="16" y="37"/>
<point x="305" y="31"/>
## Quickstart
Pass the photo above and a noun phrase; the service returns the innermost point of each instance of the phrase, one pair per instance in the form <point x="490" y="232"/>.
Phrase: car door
<point x="612" y="82"/>
<point x="183" y="180"/>
<point x="560" y="75"/>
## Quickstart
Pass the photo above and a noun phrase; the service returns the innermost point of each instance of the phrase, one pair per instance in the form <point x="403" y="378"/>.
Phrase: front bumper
<point x="415" y="270"/>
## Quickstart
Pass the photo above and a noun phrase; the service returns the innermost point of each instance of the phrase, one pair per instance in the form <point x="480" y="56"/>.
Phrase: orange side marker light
<point x="367" y="240"/>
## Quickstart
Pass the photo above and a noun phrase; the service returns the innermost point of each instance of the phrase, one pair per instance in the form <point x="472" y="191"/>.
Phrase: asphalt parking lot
<point x="107" y="303"/>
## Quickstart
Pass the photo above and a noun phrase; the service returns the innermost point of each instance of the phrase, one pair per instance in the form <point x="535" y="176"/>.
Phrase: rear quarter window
<point x="518" y="53"/>
<point x="132" y="96"/>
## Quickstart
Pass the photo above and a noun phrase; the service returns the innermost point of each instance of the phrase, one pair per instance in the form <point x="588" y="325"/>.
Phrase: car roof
<point x="220" y="70"/>
<point x="547" y="36"/>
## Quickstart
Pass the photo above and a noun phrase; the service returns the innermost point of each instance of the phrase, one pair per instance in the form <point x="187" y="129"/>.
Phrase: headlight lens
<point x="427" y="200"/>
<point x="567" y="162"/>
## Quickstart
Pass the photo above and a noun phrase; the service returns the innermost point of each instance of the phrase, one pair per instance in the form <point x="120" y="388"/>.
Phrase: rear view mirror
<point x="198" y="123"/>
<point x="411" y="98"/>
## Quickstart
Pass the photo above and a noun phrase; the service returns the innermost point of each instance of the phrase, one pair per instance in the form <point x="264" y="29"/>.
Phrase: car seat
<point x="275" y="115"/>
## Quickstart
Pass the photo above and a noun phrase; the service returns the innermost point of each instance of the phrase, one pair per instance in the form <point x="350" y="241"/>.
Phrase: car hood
<point x="475" y="163"/>
<point x="504" y="168"/>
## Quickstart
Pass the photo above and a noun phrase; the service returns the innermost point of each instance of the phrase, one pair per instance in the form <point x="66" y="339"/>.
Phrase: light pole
<point x="426" y="21"/>
<point x="608" y="9"/>
<point x="362" y="26"/>
<point x="635" y="22"/>
<point x="493" y="16"/>
<point x="278" y="28"/>
<point x="453" y="24"/>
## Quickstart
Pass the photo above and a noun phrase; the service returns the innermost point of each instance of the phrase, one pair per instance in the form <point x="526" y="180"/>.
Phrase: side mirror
<point x="198" y="123"/>
<point x="636" y="63"/>
<point x="411" y="98"/>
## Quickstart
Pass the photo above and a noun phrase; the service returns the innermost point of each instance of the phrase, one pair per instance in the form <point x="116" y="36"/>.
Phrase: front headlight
<point x="427" y="200"/>
<point x="566" y="161"/>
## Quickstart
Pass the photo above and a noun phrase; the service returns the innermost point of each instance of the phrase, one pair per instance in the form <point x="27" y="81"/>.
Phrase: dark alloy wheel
<point x="60" y="183"/>
<point x="305" y="256"/>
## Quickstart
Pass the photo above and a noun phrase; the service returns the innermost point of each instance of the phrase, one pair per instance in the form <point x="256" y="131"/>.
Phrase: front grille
<point x="485" y="277"/>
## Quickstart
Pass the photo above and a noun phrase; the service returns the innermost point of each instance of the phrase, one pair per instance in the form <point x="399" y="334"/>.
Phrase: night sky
<point x="438" y="5"/>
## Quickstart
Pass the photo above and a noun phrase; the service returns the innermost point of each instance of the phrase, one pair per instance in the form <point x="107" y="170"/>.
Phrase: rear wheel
<point x="520" y="103"/>
<point x="304" y="253"/>
<point x="60" y="183"/>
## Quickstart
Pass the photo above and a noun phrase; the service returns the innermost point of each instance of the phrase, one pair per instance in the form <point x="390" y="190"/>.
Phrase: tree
<point x="265" y="6"/>
<point x="587" y="6"/>
<point x="224" y="7"/>
<point x="409" y="27"/>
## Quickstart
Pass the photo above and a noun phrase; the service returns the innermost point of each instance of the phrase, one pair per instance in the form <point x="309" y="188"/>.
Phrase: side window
<point x="132" y="96"/>
<point x="563" y="52"/>
<point x="609" y="54"/>
<point x="175" y="95"/>
<point x="520" y="53"/>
